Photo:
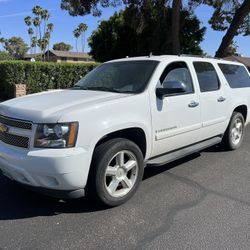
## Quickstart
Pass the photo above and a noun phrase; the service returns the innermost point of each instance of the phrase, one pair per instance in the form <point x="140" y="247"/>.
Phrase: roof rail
<point x="201" y="56"/>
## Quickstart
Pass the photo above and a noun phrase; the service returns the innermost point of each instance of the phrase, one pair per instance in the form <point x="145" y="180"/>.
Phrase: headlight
<point x="59" y="135"/>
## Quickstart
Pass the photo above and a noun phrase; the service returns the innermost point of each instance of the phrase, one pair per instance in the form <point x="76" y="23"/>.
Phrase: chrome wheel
<point x="237" y="131"/>
<point x="121" y="174"/>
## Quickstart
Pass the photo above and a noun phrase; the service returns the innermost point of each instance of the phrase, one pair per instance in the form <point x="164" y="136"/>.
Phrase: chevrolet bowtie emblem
<point x="3" y="128"/>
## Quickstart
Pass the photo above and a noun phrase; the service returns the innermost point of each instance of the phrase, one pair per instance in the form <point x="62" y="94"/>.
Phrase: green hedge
<point x="40" y="76"/>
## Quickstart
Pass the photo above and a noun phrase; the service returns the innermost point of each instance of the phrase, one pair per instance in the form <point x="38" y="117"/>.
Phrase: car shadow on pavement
<point x="17" y="202"/>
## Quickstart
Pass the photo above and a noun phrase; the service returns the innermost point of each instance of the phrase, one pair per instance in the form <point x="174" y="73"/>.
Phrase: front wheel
<point x="116" y="171"/>
<point x="235" y="132"/>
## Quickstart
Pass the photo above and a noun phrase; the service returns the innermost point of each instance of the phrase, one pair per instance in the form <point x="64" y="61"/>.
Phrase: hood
<point x="49" y="106"/>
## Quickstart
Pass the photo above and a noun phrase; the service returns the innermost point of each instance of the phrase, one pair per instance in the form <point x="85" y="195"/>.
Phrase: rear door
<point x="212" y="99"/>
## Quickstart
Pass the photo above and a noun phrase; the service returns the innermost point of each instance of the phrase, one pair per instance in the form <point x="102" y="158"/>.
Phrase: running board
<point x="169" y="157"/>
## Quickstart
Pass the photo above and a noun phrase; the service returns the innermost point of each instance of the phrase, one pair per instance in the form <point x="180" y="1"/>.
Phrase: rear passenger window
<point x="236" y="75"/>
<point x="207" y="76"/>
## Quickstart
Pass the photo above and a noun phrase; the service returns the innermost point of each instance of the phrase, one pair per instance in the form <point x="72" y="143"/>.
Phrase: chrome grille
<point x="14" y="140"/>
<point x="15" y="123"/>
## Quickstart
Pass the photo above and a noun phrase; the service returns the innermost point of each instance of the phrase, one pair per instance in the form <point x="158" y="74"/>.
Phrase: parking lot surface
<point x="199" y="202"/>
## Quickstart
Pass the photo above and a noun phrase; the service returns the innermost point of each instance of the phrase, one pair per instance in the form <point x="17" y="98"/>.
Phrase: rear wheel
<point x="116" y="171"/>
<point x="235" y="132"/>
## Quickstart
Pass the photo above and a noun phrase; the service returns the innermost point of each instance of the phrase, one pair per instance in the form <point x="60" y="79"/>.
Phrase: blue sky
<point x="12" y="13"/>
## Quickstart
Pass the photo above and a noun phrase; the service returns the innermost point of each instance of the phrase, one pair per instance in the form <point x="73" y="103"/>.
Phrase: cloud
<point x="15" y="14"/>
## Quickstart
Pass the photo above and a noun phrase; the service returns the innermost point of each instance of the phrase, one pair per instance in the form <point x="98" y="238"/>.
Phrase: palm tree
<point x="37" y="11"/>
<point x="83" y="28"/>
<point x="47" y="35"/>
<point x="28" y="22"/>
<point x="77" y="34"/>
<point x="31" y="33"/>
<point x="36" y="23"/>
<point x="45" y="17"/>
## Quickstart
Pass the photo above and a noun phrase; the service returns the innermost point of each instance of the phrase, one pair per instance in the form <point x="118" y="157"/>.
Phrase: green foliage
<point x="224" y="12"/>
<point x="16" y="47"/>
<point x="232" y="49"/>
<point x="136" y="32"/>
<point x="40" y="76"/>
<point x="83" y="7"/>
<point x="62" y="46"/>
<point x="4" y="56"/>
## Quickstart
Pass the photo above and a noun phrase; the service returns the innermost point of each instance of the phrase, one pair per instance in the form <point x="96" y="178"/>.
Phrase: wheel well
<point x="243" y="110"/>
<point x="135" y="135"/>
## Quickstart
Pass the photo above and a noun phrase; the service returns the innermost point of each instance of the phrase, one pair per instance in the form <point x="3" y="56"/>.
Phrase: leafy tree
<point x="230" y="16"/>
<point x="16" y="47"/>
<point x="5" y="56"/>
<point x="62" y="46"/>
<point x="232" y="49"/>
<point x="82" y="7"/>
<point x="118" y="37"/>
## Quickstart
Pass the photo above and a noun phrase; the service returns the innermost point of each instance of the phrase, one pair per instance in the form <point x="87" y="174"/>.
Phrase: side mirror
<point x="171" y="88"/>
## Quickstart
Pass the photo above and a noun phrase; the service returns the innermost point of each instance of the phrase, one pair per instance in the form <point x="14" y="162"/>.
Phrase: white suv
<point x="98" y="136"/>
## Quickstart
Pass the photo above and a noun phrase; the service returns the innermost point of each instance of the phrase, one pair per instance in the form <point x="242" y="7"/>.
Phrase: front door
<point x="176" y="119"/>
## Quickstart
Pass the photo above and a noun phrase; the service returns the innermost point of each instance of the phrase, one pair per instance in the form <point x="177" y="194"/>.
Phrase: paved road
<point x="200" y="202"/>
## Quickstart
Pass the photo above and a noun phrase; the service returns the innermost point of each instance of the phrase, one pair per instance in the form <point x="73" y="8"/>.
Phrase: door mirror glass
<point x="171" y="88"/>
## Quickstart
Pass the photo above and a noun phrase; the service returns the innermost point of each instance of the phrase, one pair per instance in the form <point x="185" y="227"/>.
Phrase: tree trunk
<point x="84" y="41"/>
<point x="238" y="19"/>
<point x="176" y="8"/>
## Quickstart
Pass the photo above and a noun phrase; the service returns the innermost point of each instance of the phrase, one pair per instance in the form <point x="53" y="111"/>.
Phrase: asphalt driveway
<point x="200" y="202"/>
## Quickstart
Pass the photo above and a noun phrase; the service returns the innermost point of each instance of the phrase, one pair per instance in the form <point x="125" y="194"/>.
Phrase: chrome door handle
<point x="221" y="99"/>
<point x="193" y="104"/>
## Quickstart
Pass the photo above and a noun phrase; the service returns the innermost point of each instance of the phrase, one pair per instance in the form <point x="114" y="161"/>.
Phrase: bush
<point x="40" y="76"/>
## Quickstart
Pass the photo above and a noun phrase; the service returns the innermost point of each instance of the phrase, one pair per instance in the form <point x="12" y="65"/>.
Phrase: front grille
<point x="14" y="140"/>
<point x="15" y="123"/>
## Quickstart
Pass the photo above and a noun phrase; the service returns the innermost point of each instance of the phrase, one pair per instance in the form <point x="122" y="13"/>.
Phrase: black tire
<point x="227" y="140"/>
<point x="97" y="185"/>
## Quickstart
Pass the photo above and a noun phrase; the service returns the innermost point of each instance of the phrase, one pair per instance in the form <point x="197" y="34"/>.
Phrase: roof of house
<point x="29" y="56"/>
<point x="241" y="59"/>
<point x="70" y="54"/>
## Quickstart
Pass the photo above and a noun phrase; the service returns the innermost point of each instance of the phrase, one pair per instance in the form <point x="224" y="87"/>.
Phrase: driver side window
<point x="178" y="71"/>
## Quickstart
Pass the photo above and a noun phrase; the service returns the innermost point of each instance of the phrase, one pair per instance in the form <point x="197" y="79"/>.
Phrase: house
<point x="240" y="59"/>
<point x="61" y="56"/>
<point x="31" y="57"/>
<point x="67" y="56"/>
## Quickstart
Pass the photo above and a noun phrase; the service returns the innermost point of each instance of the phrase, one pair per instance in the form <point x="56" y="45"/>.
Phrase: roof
<point x="70" y="54"/>
<point x="241" y="59"/>
<point x="34" y="55"/>
<point x="162" y="58"/>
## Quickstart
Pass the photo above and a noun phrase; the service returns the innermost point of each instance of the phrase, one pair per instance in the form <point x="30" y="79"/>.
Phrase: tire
<point x="234" y="134"/>
<point x="114" y="185"/>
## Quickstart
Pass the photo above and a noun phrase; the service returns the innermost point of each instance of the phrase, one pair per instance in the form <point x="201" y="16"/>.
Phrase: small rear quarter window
<point x="236" y="75"/>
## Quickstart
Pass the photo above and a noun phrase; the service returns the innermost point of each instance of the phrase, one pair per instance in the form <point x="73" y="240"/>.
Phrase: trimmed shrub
<point x="40" y="76"/>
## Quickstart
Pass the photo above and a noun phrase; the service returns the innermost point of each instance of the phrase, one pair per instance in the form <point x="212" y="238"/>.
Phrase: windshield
<point x="122" y="77"/>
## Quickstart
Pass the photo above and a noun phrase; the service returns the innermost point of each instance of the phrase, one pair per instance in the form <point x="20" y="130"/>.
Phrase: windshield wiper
<point x="101" y="88"/>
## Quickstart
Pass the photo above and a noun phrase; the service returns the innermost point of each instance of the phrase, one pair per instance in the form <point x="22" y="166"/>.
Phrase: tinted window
<point x="236" y="75"/>
<point x="124" y="77"/>
<point x="178" y="72"/>
<point x="207" y="76"/>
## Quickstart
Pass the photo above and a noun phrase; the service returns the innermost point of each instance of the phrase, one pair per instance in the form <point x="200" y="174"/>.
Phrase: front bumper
<point x="52" y="171"/>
